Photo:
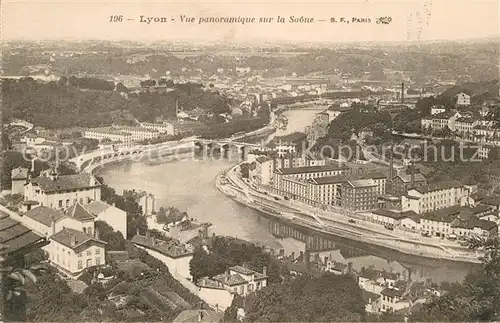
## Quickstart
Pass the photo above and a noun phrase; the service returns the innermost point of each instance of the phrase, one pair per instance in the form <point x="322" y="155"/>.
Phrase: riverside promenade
<point x="337" y="223"/>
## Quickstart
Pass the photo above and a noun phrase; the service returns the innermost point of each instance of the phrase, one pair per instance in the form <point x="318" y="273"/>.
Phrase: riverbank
<point x="337" y="225"/>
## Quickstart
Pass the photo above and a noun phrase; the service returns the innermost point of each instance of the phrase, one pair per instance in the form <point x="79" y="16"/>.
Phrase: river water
<point x="189" y="184"/>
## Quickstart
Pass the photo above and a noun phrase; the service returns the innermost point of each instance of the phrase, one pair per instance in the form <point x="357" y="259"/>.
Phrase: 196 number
<point x="115" y="18"/>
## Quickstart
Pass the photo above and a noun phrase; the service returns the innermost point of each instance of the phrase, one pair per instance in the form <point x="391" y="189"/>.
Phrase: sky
<point x="411" y="20"/>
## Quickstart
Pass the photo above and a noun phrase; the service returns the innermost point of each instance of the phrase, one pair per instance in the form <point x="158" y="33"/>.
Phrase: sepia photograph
<point x="250" y="161"/>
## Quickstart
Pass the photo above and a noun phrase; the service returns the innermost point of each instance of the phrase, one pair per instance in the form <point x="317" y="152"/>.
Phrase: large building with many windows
<point x="108" y="134"/>
<point x="311" y="172"/>
<point x="362" y="194"/>
<point x="433" y="197"/>
<point x="61" y="191"/>
<point x="339" y="190"/>
<point x="164" y="127"/>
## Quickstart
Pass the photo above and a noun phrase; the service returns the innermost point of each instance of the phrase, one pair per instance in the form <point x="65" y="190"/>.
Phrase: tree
<point x="63" y="81"/>
<point x="327" y="298"/>
<point x="477" y="298"/>
<point x="115" y="240"/>
<point x="121" y="88"/>
<point x="161" y="215"/>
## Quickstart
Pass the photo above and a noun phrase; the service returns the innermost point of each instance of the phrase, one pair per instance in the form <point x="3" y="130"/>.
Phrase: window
<point x="242" y="289"/>
<point x="60" y="203"/>
<point x="89" y="252"/>
<point x="97" y="261"/>
<point x="97" y="251"/>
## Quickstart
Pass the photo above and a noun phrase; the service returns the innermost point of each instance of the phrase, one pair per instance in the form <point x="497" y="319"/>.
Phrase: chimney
<point x="412" y="170"/>
<point x="200" y="312"/>
<point x="97" y="234"/>
<point x="33" y="165"/>
<point x="73" y="240"/>
<point x="391" y="162"/>
<point x="228" y="272"/>
<point x="307" y="255"/>
<point x="264" y="271"/>
<point x="53" y="226"/>
<point x="402" y="92"/>
<point x="205" y="231"/>
<point x="137" y="231"/>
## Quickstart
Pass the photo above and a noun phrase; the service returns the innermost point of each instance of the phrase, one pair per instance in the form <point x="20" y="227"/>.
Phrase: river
<point x="189" y="184"/>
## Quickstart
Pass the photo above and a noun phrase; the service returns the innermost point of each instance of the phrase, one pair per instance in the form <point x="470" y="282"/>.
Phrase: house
<point x="172" y="253"/>
<point x="458" y="221"/>
<point x="60" y="191"/>
<point x="113" y="216"/>
<point x="338" y="268"/>
<point x="386" y="217"/>
<point x="432" y="197"/>
<point x="437" y="109"/>
<point x="18" y="176"/>
<point x="47" y="221"/>
<point x="391" y="300"/>
<point x="463" y="99"/>
<point x="264" y="170"/>
<point x="190" y="316"/>
<point x="360" y="195"/>
<point x="241" y="280"/>
<point x="71" y="251"/>
<point x="373" y="302"/>
<point x="403" y="182"/>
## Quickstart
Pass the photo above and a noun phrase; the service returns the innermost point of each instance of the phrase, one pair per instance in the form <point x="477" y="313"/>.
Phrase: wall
<point x="18" y="186"/>
<point x="76" y="225"/>
<point x="52" y="200"/>
<point x="116" y="218"/>
<point x="216" y="297"/>
<point x="179" y="265"/>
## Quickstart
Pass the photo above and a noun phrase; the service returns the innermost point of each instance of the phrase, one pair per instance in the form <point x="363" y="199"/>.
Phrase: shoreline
<point x="352" y="233"/>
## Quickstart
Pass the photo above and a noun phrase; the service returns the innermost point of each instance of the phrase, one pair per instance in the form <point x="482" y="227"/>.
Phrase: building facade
<point x="433" y="197"/>
<point x="61" y="191"/>
<point x="71" y="251"/>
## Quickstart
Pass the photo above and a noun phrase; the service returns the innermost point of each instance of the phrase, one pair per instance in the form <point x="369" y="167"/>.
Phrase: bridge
<point x="22" y="123"/>
<point x="226" y="144"/>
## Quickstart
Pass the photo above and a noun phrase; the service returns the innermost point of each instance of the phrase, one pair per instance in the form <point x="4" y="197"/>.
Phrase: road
<point x="363" y="230"/>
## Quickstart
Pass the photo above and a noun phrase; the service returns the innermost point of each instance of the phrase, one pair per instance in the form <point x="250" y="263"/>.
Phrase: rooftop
<point x="97" y="207"/>
<point x="406" y="178"/>
<point x="65" y="235"/>
<point x="170" y="248"/>
<point x="19" y="173"/>
<point x="45" y="215"/>
<point x="246" y="271"/>
<point x="362" y="183"/>
<point x="443" y="215"/>
<point x="439" y="186"/>
<point x="391" y="292"/>
<point x="230" y="280"/>
<point x="15" y="237"/>
<point x="78" y="212"/>
<point x="313" y="169"/>
<point x="66" y="182"/>
<point x="190" y="316"/>
<point x="395" y="215"/>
